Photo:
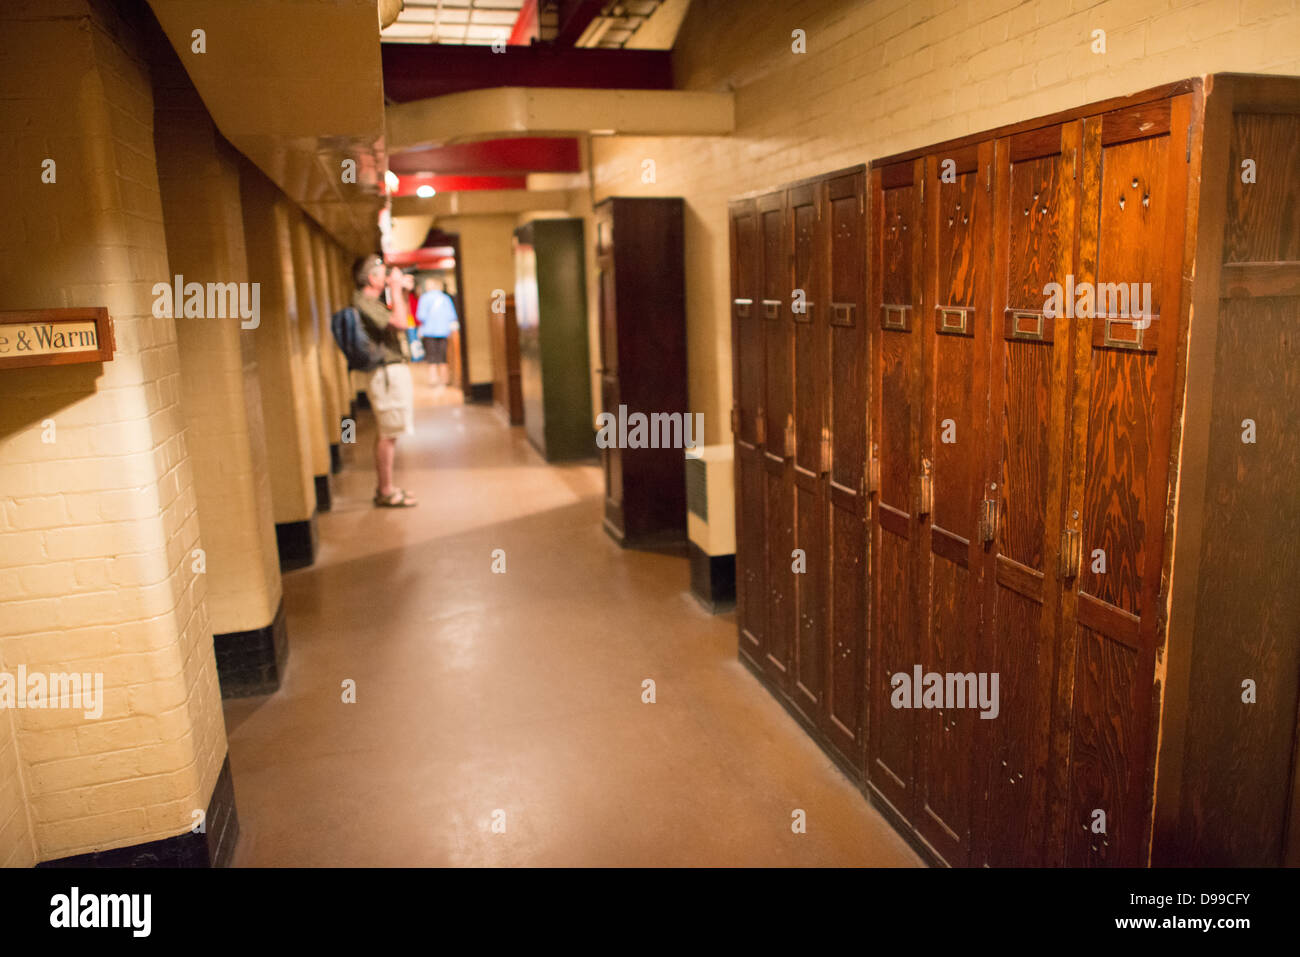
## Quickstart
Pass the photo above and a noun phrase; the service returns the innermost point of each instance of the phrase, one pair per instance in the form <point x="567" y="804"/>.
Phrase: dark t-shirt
<point x="375" y="317"/>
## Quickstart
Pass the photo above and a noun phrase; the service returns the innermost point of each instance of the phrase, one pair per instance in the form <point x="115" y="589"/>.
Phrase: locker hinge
<point x="826" y="449"/>
<point x="873" y="469"/>
<point x="988" y="178"/>
<point x="1188" y="158"/>
<point x="860" y="203"/>
<point x="1074" y="161"/>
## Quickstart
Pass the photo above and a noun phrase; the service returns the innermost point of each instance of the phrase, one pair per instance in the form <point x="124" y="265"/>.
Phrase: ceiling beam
<point x="574" y="18"/>
<point x="418" y="71"/>
<point x="521" y="110"/>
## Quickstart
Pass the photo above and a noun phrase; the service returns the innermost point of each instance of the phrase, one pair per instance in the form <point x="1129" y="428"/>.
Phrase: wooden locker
<point x="748" y="388"/>
<point x="845" y="373"/>
<point x="1133" y="183"/>
<point x="642" y="332"/>
<point x="805" y="445"/>
<point x="773" y="416"/>
<point x="1035" y="189"/>
<point x="507" y="398"/>
<point x="897" y="237"/>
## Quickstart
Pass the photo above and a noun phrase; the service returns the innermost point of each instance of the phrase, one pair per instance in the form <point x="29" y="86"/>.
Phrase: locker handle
<point x="826" y="449"/>
<point x="927" y="487"/>
<point x="789" y="435"/>
<point x="989" y="519"/>
<point x="771" y="308"/>
<point x="873" y="469"/>
<point x="1071" y="553"/>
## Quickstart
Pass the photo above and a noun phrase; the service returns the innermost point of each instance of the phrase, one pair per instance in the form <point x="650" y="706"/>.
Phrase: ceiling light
<point x="391" y="180"/>
<point x="424" y="192"/>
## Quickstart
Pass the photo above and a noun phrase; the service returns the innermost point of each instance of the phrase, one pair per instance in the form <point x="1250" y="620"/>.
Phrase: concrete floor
<point x="519" y="692"/>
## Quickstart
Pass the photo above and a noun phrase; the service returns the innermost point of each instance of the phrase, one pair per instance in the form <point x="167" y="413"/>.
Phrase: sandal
<point x="397" y="499"/>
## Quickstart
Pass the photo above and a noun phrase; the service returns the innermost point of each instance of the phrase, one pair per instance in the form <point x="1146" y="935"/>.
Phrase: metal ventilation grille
<point x="697" y="488"/>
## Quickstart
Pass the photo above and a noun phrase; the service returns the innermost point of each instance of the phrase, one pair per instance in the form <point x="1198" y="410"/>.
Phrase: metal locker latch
<point x="760" y="426"/>
<point x="927" y="487"/>
<point x="826" y="449"/>
<point x="789" y="436"/>
<point x="873" y="469"/>
<point x="1071" y="553"/>
<point x="989" y="519"/>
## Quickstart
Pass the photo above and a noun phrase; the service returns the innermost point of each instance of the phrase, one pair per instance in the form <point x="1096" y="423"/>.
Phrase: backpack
<point x="359" y="349"/>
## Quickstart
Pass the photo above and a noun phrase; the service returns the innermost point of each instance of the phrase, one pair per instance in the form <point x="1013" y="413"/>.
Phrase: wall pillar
<point x="198" y="173"/>
<point x="267" y="241"/>
<point x="100" y="522"/>
<point x="309" y="327"/>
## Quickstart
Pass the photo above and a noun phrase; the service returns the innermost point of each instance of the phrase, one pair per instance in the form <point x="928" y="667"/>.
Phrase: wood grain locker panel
<point x="897" y="237"/>
<point x="959" y="265"/>
<point x="1103" y="777"/>
<point x="1023" y="760"/>
<point x="803" y="445"/>
<point x="1133" y="191"/>
<point x="845" y="482"/>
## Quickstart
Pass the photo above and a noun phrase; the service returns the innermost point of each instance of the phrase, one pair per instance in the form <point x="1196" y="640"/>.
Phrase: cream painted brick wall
<point x="97" y="527"/>
<point x="889" y="75"/>
<point x="487" y="263"/>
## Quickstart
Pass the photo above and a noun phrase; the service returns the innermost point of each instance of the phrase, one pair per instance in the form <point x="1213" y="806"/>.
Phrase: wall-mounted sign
<point x="54" y="337"/>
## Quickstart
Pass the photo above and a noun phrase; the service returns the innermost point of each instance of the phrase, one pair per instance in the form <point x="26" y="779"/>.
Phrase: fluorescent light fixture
<point x="424" y="192"/>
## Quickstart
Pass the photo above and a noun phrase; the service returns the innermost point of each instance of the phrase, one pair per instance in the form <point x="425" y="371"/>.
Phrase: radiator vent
<point x="697" y="494"/>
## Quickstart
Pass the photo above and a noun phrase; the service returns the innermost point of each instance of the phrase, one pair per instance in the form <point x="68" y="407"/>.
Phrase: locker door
<point x="846" y="407"/>
<point x="896" y="256"/>
<point x="957" y="329"/>
<point x="804" y="434"/>
<point x="1024" y="751"/>
<point x="775" y="286"/>
<point x="1132" y="225"/>
<point x="747" y="387"/>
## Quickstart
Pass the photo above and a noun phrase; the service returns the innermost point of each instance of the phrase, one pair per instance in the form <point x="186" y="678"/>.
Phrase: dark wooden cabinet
<point x="507" y="396"/>
<point x="800" y="440"/>
<point x="551" y="314"/>
<point x="1079" y="331"/>
<point x="642" y="322"/>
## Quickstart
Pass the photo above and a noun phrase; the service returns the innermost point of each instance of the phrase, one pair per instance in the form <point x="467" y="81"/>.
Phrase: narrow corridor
<point x="519" y="692"/>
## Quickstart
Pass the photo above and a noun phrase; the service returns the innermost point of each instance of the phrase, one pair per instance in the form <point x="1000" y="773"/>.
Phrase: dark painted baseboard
<point x="323" y="499"/>
<point x="479" y="393"/>
<point x="252" y="662"/>
<point x="297" y="543"/>
<point x="713" y="579"/>
<point x="336" y="458"/>
<point x="213" y="848"/>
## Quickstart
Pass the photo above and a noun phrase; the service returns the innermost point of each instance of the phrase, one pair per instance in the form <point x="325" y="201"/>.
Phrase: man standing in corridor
<point x="389" y="386"/>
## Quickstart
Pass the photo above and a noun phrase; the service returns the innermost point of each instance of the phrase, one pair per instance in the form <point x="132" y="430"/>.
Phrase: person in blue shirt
<point x="436" y="314"/>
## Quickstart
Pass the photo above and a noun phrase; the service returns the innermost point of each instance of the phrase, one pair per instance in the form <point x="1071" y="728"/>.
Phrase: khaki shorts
<point x="393" y="399"/>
